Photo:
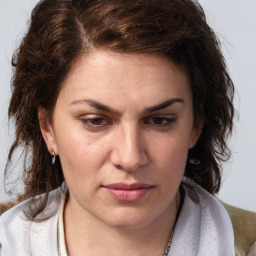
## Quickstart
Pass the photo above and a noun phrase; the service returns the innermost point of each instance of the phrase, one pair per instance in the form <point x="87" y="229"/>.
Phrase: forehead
<point x="103" y="58"/>
<point x="113" y="76"/>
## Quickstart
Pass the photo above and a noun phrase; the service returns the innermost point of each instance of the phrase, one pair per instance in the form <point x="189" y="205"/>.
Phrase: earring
<point x="53" y="157"/>
<point x="194" y="161"/>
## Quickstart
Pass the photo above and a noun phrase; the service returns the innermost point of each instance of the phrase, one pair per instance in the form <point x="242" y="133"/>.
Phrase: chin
<point x="129" y="219"/>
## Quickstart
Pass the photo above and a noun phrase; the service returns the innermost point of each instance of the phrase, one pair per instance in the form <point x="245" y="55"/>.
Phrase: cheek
<point x="79" y="153"/>
<point x="79" y="164"/>
<point x="171" y="154"/>
<point x="174" y="160"/>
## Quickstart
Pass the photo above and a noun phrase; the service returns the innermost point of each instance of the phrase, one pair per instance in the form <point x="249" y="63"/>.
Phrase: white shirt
<point x="202" y="229"/>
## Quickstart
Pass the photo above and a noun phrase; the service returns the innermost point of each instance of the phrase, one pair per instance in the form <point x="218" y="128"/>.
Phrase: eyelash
<point x="164" y="121"/>
<point x="99" y="123"/>
<point x="88" y="122"/>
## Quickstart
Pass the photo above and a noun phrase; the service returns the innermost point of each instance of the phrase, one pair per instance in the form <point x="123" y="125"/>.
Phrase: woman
<point x="123" y="109"/>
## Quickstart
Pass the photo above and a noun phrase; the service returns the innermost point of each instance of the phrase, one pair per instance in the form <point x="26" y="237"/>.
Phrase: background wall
<point x="235" y="23"/>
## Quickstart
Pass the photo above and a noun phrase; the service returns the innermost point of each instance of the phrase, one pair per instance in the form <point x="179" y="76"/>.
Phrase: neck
<point x="86" y="233"/>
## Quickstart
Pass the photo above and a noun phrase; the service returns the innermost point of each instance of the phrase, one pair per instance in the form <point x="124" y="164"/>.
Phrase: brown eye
<point x="160" y="120"/>
<point x="95" y="124"/>
<point x="96" y="121"/>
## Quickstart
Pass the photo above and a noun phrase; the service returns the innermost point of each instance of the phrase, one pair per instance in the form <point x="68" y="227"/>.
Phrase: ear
<point x="47" y="131"/>
<point x="195" y="133"/>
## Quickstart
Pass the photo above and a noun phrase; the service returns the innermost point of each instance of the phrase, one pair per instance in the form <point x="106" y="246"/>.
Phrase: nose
<point x="128" y="152"/>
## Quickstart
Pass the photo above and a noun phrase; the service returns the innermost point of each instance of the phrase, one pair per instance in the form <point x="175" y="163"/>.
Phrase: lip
<point x="128" y="192"/>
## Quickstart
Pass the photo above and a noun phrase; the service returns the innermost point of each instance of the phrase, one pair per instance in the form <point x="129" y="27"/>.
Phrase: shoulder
<point x="5" y="206"/>
<point x="14" y="229"/>
<point x="203" y="216"/>
<point x="13" y="215"/>
<point x="18" y="233"/>
<point x="243" y="221"/>
<point x="208" y="203"/>
<point x="244" y="225"/>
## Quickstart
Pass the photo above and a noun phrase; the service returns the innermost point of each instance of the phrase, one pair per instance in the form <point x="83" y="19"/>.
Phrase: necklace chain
<point x="167" y="249"/>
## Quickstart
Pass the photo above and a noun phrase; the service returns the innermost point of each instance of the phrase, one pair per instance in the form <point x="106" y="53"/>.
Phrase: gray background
<point x="235" y="23"/>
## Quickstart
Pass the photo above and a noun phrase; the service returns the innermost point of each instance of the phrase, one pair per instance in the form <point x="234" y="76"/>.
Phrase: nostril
<point x="119" y="167"/>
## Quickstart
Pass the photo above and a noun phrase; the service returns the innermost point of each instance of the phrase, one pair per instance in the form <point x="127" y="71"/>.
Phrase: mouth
<point x="128" y="192"/>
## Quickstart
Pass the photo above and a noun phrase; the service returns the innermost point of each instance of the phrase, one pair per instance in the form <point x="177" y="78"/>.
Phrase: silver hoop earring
<point x="53" y="157"/>
<point x="194" y="161"/>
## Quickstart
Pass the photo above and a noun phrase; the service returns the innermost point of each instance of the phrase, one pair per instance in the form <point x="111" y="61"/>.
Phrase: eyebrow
<point x="96" y="105"/>
<point x="106" y="108"/>
<point x="163" y="105"/>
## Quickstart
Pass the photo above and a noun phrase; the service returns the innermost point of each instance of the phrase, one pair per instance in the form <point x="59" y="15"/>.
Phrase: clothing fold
<point x="203" y="228"/>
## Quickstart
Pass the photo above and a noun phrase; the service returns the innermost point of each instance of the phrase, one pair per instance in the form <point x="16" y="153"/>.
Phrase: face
<point x="122" y="127"/>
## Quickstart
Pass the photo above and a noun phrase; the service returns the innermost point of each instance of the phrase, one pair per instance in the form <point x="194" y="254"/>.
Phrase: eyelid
<point x="87" y="122"/>
<point x="170" y="118"/>
<point x="159" y="121"/>
<point x="168" y="115"/>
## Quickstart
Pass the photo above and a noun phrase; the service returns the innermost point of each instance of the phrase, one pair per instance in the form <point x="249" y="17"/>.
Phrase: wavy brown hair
<point x="62" y="30"/>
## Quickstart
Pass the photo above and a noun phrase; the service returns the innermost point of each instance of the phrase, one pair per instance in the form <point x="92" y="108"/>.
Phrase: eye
<point x="160" y="120"/>
<point x="96" y="123"/>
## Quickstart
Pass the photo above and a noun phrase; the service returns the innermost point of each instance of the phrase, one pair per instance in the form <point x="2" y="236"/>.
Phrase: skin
<point x="122" y="118"/>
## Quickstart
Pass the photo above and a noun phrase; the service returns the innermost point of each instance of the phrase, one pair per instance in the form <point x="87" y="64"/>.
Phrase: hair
<point x="61" y="31"/>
